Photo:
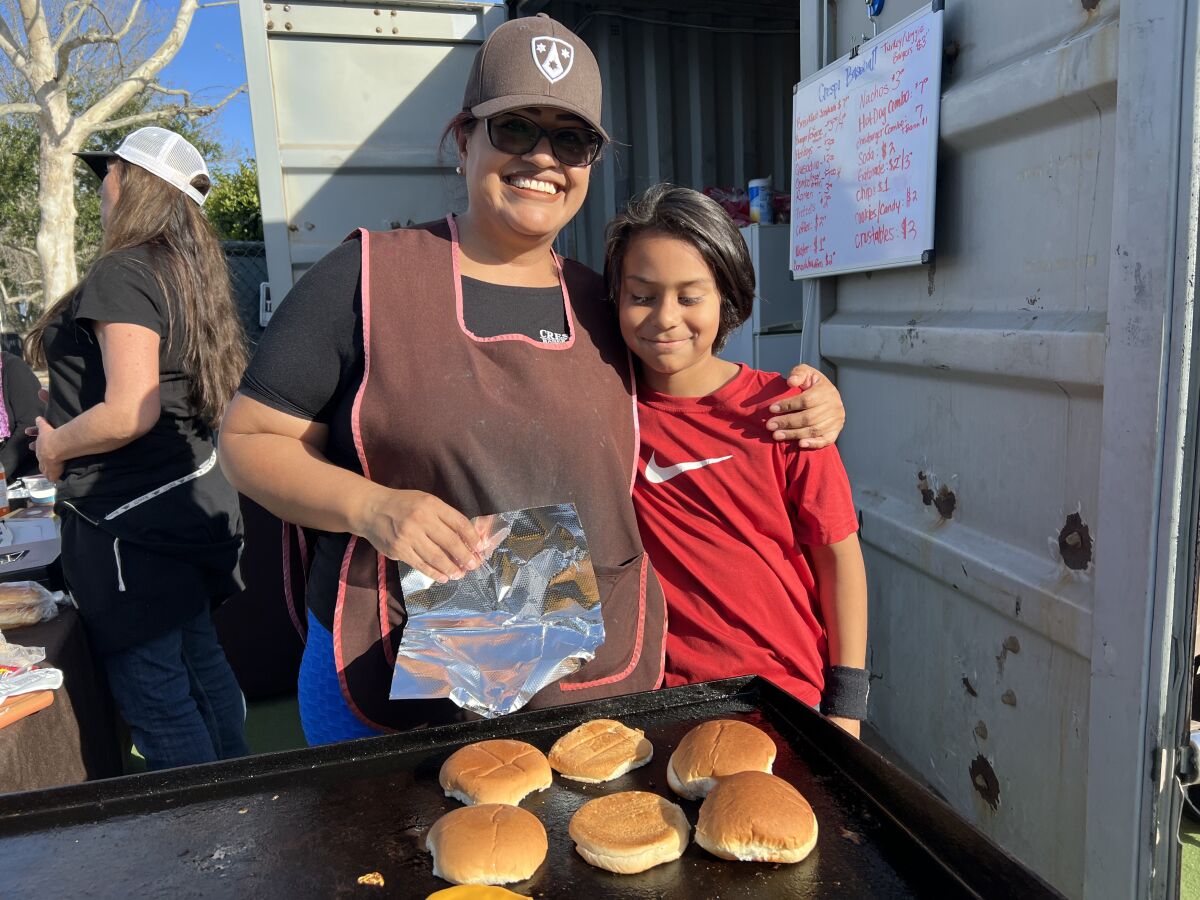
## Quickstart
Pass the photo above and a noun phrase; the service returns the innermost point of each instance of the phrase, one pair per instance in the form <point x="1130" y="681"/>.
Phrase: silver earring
<point x="458" y="170"/>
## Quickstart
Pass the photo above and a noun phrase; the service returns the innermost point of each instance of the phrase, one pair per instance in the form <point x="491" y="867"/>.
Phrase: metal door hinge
<point x="1188" y="768"/>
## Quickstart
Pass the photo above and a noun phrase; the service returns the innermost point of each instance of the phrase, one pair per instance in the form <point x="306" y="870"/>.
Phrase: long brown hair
<point x="190" y="268"/>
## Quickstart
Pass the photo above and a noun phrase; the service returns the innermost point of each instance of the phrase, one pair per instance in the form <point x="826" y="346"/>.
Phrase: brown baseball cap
<point x="535" y="61"/>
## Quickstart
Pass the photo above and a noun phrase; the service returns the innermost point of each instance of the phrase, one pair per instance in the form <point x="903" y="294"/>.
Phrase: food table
<point x="74" y="739"/>
<point x="312" y="822"/>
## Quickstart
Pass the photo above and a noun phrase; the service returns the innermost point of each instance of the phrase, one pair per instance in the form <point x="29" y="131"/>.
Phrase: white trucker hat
<point x="157" y="150"/>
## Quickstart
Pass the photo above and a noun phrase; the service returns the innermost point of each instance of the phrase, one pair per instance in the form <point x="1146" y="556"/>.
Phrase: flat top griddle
<point x="308" y="823"/>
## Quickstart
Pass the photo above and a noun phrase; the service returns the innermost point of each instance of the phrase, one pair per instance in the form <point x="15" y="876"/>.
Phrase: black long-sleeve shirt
<point x="23" y="406"/>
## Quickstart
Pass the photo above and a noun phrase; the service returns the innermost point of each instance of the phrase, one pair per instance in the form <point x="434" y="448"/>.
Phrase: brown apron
<point x="490" y="425"/>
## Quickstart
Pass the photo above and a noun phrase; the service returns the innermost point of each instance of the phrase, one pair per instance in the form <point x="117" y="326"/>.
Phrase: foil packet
<point x="527" y="617"/>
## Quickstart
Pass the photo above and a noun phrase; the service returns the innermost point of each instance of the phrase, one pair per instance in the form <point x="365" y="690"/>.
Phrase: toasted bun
<point x="495" y="772"/>
<point x="474" y="892"/>
<point x="600" y="750"/>
<point x="493" y="843"/>
<point x="629" y="832"/>
<point x="756" y="817"/>
<point x="716" y="748"/>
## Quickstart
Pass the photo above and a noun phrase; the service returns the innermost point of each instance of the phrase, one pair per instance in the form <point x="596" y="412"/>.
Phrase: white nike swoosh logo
<point x="656" y="474"/>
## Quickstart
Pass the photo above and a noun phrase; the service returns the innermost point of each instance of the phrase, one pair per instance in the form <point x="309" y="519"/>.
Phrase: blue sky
<point x="211" y="64"/>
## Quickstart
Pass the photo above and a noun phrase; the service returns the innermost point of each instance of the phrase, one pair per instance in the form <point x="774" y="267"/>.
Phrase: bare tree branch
<point x="23" y="251"/>
<point x="168" y="112"/>
<point x="142" y="76"/>
<point x="39" y="47"/>
<point x="70" y="23"/>
<point x="11" y="109"/>
<point x="11" y="47"/>
<point x="66" y="48"/>
<point x="178" y="92"/>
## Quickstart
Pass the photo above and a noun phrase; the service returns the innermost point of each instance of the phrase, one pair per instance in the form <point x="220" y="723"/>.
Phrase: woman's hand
<point x="814" y="418"/>
<point x="43" y="445"/>
<point x="850" y="726"/>
<point x="423" y="531"/>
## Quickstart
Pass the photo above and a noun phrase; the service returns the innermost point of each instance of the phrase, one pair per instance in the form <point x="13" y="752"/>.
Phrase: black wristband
<point x="845" y="693"/>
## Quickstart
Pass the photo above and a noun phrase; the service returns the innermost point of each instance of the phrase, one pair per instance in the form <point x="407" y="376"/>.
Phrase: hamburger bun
<point x="716" y="748"/>
<point x="495" y="772"/>
<point x="756" y="817"/>
<point x="474" y="892"/>
<point x="492" y="843"/>
<point x="629" y="832"/>
<point x="600" y="750"/>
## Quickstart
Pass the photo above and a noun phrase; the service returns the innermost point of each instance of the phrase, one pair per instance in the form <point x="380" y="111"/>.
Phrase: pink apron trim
<point x="339" y="658"/>
<point x="356" y="409"/>
<point x="385" y="628"/>
<point x="637" y="426"/>
<point x="300" y="540"/>
<point x="637" y="644"/>
<point x="288" y="597"/>
<point x="662" y="649"/>
<point x="384" y="624"/>
<point x="356" y="431"/>
<point x="458" y="302"/>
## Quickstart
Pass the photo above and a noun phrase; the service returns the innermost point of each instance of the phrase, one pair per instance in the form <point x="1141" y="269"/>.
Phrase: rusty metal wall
<point x="697" y="93"/>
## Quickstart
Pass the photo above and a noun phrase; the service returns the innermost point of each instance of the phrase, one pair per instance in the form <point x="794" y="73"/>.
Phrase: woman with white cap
<point x="143" y="355"/>
<point x="416" y="378"/>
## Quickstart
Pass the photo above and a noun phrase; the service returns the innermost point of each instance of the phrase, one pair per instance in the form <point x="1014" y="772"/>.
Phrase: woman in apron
<point x="143" y="355"/>
<point x="416" y="378"/>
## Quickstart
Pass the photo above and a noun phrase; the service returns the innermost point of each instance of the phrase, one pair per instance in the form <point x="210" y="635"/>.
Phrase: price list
<point x="864" y="154"/>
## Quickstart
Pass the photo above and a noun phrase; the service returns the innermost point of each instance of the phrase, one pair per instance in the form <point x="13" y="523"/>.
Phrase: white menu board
<point x="864" y="154"/>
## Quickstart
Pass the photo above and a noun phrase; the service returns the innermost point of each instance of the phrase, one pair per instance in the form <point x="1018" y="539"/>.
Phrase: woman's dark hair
<point x="700" y="221"/>
<point x="190" y="268"/>
<point x="460" y="128"/>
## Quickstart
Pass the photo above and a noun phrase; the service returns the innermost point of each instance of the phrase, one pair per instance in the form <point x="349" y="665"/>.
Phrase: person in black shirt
<point x="22" y="405"/>
<point x="415" y="378"/>
<point x="143" y="356"/>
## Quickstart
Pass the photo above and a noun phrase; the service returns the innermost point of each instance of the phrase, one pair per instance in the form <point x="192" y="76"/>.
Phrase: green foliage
<point x="233" y="206"/>
<point x="18" y="177"/>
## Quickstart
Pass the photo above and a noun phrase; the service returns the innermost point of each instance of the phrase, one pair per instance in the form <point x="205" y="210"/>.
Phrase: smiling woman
<point x="417" y="378"/>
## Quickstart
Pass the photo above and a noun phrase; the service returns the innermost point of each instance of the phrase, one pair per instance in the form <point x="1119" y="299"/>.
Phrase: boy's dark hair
<point x="699" y="220"/>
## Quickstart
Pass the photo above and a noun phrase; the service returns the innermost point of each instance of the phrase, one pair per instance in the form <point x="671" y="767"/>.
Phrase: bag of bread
<point x="26" y="603"/>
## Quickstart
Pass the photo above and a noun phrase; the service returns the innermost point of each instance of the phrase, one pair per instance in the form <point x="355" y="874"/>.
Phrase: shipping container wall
<point x="348" y="105"/>
<point x="1005" y="428"/>
<point x="696" y="93"/>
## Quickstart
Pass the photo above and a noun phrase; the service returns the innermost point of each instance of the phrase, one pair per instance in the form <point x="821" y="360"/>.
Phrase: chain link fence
<point x="247" y="270"/>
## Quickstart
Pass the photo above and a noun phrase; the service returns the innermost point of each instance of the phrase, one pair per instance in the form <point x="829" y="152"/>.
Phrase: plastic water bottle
<point x="761" y="210"/>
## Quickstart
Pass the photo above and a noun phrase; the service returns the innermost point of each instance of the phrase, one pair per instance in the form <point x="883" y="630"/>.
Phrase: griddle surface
<point x="308" y="823"/>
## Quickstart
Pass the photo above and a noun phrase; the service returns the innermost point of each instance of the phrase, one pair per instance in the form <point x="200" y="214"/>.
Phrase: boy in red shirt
<point x="755" y="540"/>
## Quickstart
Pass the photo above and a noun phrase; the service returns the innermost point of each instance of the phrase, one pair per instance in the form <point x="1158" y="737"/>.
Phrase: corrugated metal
<point x="348" y="103"/>
<point x="696" y="93"/>
<point x="1008" y="399"/>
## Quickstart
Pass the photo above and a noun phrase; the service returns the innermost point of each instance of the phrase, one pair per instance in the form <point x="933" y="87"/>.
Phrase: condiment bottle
<point x="4" y="507"/>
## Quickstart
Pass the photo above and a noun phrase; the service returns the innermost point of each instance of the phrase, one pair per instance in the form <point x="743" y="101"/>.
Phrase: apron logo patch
<point x="553" y="57"/>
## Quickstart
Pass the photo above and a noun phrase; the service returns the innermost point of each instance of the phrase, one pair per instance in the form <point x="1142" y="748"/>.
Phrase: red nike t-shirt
<point x="723" y="509"/>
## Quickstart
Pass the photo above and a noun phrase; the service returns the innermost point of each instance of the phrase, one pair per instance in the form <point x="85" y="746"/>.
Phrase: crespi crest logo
<point x="553" y="57"/>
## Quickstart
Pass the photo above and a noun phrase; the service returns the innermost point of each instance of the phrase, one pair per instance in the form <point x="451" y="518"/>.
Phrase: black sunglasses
<point x="572" y="146"/>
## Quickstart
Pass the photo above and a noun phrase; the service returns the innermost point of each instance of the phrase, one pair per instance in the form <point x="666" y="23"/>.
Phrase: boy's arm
<point x="842" y="593"/>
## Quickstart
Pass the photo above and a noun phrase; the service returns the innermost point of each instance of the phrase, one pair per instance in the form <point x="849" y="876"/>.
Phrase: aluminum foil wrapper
<point x="525" y="618"/>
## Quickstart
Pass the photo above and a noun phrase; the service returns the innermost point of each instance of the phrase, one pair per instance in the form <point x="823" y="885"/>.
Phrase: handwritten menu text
<point x="864" y="154"/>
